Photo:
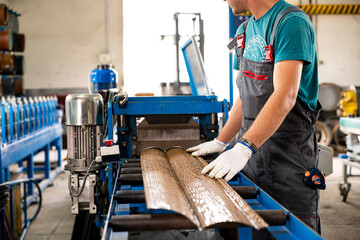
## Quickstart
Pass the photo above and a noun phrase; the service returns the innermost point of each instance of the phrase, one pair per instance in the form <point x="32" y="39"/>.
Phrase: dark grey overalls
<point x="280" y="163"/>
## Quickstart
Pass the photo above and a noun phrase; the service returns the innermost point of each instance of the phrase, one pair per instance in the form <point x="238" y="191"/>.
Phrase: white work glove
<point x="229" y="163"/>
<point x="206" y="148"/>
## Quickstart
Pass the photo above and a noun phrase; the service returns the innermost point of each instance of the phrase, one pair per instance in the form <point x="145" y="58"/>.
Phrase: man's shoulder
<point x="240" y="29"/>
<point x="296" y="20"/>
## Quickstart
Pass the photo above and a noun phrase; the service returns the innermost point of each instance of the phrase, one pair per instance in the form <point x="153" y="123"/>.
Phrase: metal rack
<point x="29" y="126"/>
<point x="350" y="126"/>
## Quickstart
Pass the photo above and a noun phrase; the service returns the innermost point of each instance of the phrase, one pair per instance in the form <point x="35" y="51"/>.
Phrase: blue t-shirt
<point x="294" y="40"/>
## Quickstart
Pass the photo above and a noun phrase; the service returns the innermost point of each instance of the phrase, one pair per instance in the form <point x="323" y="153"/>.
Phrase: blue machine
<point x="164" y="122"/>
<point x="103" y="77"/>
<point x="202" y="108"/>
<point x="28" y="126"/>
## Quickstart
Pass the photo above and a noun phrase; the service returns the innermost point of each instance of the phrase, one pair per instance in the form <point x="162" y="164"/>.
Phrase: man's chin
<point x="238" y="12"/>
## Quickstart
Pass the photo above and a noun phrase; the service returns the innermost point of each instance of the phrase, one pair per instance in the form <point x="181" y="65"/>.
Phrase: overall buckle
<point x="269" y="52"/>
<point x="240" y="42"/>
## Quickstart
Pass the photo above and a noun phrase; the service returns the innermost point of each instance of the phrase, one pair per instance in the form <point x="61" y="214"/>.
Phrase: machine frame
<point x="196" y="105"/>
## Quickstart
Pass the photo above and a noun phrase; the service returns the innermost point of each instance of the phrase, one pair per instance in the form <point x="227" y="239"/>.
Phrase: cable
<point x="122" y="98"/>
<point x="83" y="184"/>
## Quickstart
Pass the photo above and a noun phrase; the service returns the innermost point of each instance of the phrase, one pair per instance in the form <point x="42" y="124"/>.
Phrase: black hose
<point x="40" y="200"/>
<point x="7" y="185"/>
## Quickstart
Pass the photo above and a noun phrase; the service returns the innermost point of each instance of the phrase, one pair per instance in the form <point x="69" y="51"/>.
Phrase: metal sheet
<point x="173" y="181"/>
<point x="162" y="190"/>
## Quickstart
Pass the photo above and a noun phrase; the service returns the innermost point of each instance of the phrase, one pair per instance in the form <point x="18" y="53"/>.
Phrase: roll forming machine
<point x="106" y="184"/>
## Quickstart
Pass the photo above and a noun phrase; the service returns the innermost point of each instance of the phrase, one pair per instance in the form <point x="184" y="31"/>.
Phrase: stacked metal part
<point x="12" y="43"/>
<point x="22" y="116"/>
<point x="84" y="120"/>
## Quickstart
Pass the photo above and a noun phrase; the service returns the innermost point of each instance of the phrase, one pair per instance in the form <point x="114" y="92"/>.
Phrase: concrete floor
<point x="340" y="220"/>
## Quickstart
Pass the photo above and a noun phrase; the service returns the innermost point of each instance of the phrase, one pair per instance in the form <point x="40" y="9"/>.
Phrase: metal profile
<point x="173" y="181"/>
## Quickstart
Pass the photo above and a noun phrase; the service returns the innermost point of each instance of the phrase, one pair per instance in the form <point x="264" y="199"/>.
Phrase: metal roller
<point x="131" y="178"/>
<point x="138" y="196"/>
<point x="160" y="222"/>
<point x="130" y="170"/>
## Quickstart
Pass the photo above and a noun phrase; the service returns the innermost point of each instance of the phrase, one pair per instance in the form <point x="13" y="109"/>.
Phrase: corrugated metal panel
<point x="173" y="181"/>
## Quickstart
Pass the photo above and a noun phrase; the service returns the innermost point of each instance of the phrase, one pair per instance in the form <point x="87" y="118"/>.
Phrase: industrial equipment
<point x="164" y="122"/>
<point x="106" y="182"/>
<point x="350" y="126"/>
<point x="28" y="126"/>
<point x="84" y="120"/>
<point x="177" y="87"/>
<point x="349" y="103"/>
<point x="102" y="78"/>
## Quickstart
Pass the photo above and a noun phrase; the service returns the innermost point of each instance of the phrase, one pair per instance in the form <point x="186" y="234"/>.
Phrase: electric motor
<point x="84" y="120"/>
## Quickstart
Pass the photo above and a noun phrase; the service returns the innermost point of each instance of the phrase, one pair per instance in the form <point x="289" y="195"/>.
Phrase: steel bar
<point x="246" y="192"/>
<point x="173" y="221"/>
<point x="132" y="160"/>
<point x="130" y="170"/>
<point x="138" y="196"/>
<point x="132" y="164"/>
<point x="132" y="196"/>
<point x="173" y="181"/>
<point x="131" y="178"/>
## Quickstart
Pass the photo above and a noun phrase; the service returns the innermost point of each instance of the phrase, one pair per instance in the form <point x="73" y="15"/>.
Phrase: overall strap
<point x="278" y="19"/>
<point x="233" y="42"/>
<point x="269" y="50"/>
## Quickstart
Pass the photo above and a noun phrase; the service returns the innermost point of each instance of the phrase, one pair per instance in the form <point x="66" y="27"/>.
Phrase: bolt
<point x="134" y="147"/>
<point x="202" y="136"/>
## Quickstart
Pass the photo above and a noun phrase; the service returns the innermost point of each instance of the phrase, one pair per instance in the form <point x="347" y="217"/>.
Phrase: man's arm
<point x="233" y="124"/>
<point x="287" y="75"/>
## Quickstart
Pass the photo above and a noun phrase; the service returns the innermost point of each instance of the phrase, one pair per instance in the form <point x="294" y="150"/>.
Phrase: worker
<point x="276" y="109"/>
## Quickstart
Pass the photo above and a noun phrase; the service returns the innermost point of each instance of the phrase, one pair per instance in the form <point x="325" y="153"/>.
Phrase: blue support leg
<point x="59" y="147"/>
<point x="7" y="174"/>
<point x="47" y="161"/>
<point x="110" y="180"/>
<point x="20" y="163"/>
<point x="245" y="233"/>
<point x="30" y="172"/>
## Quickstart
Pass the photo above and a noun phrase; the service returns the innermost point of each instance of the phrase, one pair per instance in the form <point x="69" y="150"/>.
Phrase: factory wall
<point x="338" y="45"/>
<point x="64" y="39"/>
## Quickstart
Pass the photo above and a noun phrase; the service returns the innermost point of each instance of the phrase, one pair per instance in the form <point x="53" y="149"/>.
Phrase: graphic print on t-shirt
<point x="255" y="49"/>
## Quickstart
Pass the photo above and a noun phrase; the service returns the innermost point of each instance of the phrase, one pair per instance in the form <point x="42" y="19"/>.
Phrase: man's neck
<point x="259" y="7"/>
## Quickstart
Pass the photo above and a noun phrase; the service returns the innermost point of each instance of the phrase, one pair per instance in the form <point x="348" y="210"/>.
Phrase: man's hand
<point x="206" y="148"/>
<point x="229" y="163"/>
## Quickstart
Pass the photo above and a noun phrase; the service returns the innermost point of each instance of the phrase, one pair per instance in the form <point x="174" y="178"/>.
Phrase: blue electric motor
<point x="103" y="77"/>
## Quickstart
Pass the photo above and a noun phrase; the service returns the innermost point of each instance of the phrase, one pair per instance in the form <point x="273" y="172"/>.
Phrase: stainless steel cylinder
<point x="84" y="109"/>
<point x="84" y="120"/>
